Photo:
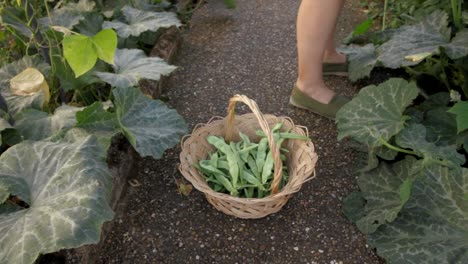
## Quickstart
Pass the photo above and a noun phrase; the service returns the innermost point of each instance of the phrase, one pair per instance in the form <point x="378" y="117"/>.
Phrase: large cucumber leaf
<point x="458" y="47"/>
<point x="99" y="122"/>
<point x="17" y="103"/>
<point x="149" y="125"/>
<point x="433" y="226"/>
<point x="376" y="112"/>
<point x="361" y="60"/>
<point x="410" y="44"/>
<point x="139" y="21"/>
<point x="67" y="187"/>
<point x="68" y="15"/>
<point x="36" y="125"/>
<point x="131" y="65"/>
<point x="414" y="137"/>
<point x="382" y="189"/>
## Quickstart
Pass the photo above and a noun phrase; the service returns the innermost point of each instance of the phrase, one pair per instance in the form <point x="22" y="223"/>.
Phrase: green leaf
<point x="4" y="124"/>
<point x="376" y="112"/>
<point x="67" y="187"/>
<point x="79" y="52"/>
<point x="410" y="44"/>
<point x="82" y="52"/>
<point x="424" y="37"/>
<point x="68" y="80"/>
<point x="36" y="125"/>
<point x="353" y="207"/>
<point x="441" y="127"/>
<point x="91" y="25"/>
<point x="149" y="125"/>
<point x="460" y="109"/>
<point x="458" y="47"/>
<point x="97" y="121"/>
<point x="433" y="226"/>
<point x="230" y="3"/>
<point x="385" y="190"/>
<point x="414" y="137"/>
<point x="131" y="65"/>
<point x="68" y="15"/>
<point x="105" y="44"/>
<point x="405" y="190"/>
<point x="17" y="103"/>
<point x="139" y="21"/>
<point x="361" y="60"/>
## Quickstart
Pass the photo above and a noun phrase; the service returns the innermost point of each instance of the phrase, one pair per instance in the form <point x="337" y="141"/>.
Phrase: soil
<point x="248" y="50"/>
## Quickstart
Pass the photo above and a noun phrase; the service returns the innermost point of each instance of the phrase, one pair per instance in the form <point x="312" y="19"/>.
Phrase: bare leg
<point x="330" y="54"/>
<point x="316" y="22"/>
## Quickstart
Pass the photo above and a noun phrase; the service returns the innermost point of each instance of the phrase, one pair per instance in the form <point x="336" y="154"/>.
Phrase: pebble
<point x="197" y="257"/>
<point x="296" y="248"/>
<point x="320" y="251"/>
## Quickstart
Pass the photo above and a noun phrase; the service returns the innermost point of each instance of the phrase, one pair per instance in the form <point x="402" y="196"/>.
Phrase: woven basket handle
<point x="277" y="171"/>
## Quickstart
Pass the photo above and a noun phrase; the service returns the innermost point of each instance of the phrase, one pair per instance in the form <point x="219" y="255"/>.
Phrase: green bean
<point x="251" y="179"/>
<point x="225" y="182"/>
<point x="249" y="192"/>
<point x="231" y="157"/>
<point x="214" y="159"/>
<point x="218" y="188"/>
<point x="245" y="139"/>
<point x="277" y="127"/>
<point x="223" y="165"/>
<point x="260" y="193"/>
<point x="268" y="167"/>
<point x="253" y="167"/>
<point x="261" y="154"/>
<point x="285" y="135"/>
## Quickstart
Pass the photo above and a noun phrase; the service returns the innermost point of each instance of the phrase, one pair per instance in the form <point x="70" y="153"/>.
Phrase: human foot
<point x="335" y="64"/>
<point x="327" y="109"/>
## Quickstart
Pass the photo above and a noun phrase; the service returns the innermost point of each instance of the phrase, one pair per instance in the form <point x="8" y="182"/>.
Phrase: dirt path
<point x="249" y="50"/>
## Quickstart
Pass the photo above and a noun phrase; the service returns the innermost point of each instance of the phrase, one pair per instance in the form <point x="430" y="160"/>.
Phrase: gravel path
<point x="249" y="50"/>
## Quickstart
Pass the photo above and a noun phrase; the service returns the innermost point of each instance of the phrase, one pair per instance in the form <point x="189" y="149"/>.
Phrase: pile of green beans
<point x="245" y="169"/>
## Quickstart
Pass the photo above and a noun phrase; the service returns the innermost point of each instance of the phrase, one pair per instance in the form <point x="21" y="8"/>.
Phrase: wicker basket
<point x="300" y="159"/>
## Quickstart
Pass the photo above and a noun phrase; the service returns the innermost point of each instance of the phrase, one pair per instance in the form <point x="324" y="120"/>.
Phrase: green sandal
<point x="338" y="69"/>
<point x="301" y="100"/>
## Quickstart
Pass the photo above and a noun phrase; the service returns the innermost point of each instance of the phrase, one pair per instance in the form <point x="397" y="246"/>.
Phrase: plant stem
<point x="384" y="15"/>
<point x="457" y="13"/>
<point x="390" y="146"/>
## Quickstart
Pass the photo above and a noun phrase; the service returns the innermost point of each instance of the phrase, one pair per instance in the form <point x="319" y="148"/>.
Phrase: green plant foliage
<point x="17" y="103"/>
<point x="139" y="21"/>
<point x="45" y="125"/>
<point x="131" y="65"/>
<point x="375" y="113"/>
<point x="414" y="137"/>
<point x="149" y="125"/>
<point x="99" y="122"/>
<point x="409" y="45"/>
<point x="461" y="110"/>
<point x="412" y="210"/>
<point x="82" y="52"/>
<point x="433" y="225"/>
<point x="230" y="3"/>
<point x="4" y="123"/>
<point x="68" y="15"/>
<point x="68" y="197"/>
<point x="382" y="190"/>
<point x="361" y="60"/>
